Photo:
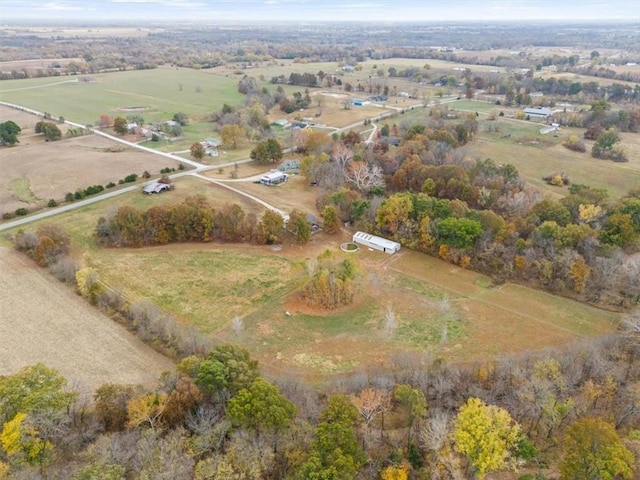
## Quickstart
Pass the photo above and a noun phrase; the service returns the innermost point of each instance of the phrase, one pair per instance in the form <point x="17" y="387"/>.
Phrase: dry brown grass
<point x="45" y="321"/>
<point x="51" y="169"/>
<point x="535" y="161"/>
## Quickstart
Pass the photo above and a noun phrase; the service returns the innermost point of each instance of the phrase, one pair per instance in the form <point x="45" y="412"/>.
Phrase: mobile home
<point x="274" y="178"/>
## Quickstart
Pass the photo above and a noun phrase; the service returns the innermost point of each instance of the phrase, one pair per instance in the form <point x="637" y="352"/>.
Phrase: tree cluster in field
<point x="267" y="151"/>
<point x="216" y="417"/>
<point x="48" y="245"/>
<point x="194" y="220"/>
<point x="49" y="130"/>
<point x="298" y="102"/>
<point x="9" y="131"/>
<point x="247" y="121"/>
<point x="330" y="281"/>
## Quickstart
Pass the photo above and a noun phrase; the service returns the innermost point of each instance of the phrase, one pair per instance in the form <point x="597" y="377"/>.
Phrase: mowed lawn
<point x="156" y="94"/>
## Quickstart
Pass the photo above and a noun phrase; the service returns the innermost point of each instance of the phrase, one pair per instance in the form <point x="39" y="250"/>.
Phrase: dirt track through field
<point x="43" y="320"/>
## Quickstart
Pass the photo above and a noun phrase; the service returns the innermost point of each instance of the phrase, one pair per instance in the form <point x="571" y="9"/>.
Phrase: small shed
<point x="375" y="242"/>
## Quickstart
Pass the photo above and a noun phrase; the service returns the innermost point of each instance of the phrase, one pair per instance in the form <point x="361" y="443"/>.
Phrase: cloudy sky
<point x="319" y="10"/>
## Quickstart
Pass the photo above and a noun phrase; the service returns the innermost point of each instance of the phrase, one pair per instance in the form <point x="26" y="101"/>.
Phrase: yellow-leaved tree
<point x="395" y="473"/>
<point x="21" y="441"/>
<point x="485" y="434"/>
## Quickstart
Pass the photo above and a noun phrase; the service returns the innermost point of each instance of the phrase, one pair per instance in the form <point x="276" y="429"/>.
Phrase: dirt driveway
<point x="42" y="320"/>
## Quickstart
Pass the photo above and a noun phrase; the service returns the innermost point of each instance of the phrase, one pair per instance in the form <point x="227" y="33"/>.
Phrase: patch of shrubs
<point x="93" y="190"/>
<point x="168" y="170"/>
<point x="128" y="179"/>
<point x="46" y="245"/>
<point x="557" y="179"/>
<point x="21" y="212"/>
<point x="52" y="203"/>
<point x="8" y="215"/>
<point x="110" y="185"/>
<point x="575" y="144"/>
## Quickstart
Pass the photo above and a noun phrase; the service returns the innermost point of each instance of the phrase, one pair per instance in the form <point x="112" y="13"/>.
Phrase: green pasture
<point x="159" y="93"/>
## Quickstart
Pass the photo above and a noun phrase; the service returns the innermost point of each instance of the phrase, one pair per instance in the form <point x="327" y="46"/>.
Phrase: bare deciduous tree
<point x="389" y="323"/>
<point x="371" y="403"/>
<point x="237" y="325"/>
<point x="341" y="154"/>
<point x="364" y="176"/>
<point x="436" y="431"/>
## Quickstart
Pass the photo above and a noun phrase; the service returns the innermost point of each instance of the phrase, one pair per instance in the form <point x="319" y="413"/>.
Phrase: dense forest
<point x="575" y="412"/>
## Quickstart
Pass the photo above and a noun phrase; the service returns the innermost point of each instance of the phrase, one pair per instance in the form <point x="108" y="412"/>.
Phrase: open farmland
<point x="536" y="156"/>
<point x="440" y="309"/>
<point x="520" y="143"/>
<point x="62" y="330"/>
<point x="35" y="171"/>
<point x="154" y="94"/>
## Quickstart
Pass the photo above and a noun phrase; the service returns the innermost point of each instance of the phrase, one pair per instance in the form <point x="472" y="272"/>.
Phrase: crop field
<point x="64" y="331"/>
<point x="35" y="171"/>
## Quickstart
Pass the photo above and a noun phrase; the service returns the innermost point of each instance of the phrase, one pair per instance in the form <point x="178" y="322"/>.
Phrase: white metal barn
<point x="379" y="243"/>
<point x="274" y="177"/>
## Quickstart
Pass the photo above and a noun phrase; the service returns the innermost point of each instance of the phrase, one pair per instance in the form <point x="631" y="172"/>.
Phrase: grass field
<point x="155" y="94"/>
<point x="536" y="155"/>
<point x="440" y="310"/>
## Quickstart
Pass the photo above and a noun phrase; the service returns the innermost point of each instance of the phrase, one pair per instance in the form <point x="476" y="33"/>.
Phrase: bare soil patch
<point x="42" y="320"/>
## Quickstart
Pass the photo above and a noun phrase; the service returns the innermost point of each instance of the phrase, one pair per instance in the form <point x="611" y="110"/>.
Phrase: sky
<point x="319" y="10"/>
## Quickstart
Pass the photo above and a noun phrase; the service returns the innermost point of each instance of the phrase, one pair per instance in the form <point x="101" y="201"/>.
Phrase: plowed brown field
<point x="42" y="320"/>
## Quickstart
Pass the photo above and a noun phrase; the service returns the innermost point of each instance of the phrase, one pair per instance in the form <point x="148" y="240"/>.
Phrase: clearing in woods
<point x="440" y="310"/>
<point x="61" y="329"/>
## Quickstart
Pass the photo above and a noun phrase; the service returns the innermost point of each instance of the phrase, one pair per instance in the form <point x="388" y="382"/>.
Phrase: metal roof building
<point x="377" y="243"/>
